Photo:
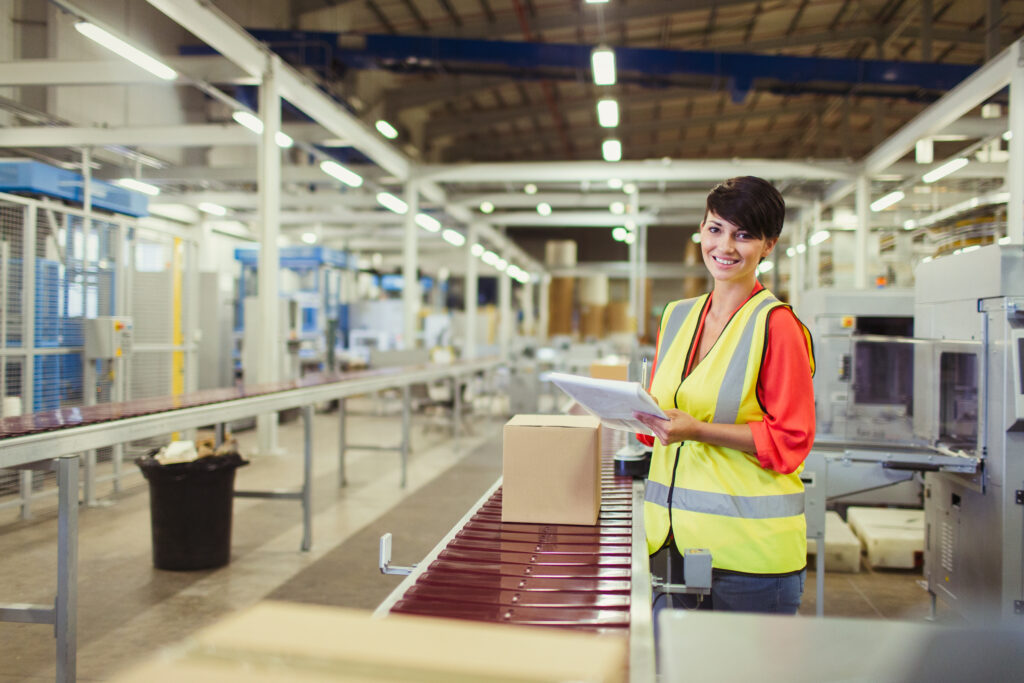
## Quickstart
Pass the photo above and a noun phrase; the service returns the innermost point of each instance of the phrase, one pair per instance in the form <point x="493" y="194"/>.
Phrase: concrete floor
<point x="128" y="609"/>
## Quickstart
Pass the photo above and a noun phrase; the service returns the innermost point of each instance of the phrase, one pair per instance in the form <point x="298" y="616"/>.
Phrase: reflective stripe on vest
<point x="673" y="325"/>
<point x="729" y="396"/>
<point x="747" y="507"/>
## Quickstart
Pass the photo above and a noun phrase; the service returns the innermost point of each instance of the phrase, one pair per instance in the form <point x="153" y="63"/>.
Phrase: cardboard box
<point x="601" y="370"/>
<point x="552" y="469"/>
<point x="309" y="643"/>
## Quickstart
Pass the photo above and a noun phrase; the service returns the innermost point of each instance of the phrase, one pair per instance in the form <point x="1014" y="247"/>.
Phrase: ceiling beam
<point x="208" y="68"/>
<point x="594" y="133"/>
<point x="570" y="219"/>
<point x="188" y="135"/>
<point x="677" y="170"/>
<point x="558" y="16"/>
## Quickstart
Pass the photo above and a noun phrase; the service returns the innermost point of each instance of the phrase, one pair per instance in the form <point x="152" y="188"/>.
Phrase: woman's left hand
<point x="679" y="426"/>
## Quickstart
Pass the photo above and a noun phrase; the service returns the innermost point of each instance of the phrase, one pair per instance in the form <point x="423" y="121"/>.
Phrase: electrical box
<point x="107" y="337"/>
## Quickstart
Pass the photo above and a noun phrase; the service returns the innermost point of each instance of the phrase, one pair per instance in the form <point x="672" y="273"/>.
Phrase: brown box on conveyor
<point x="276" y="641"/>
<point x="618" y="371"/>
<point x="551" y="467"/>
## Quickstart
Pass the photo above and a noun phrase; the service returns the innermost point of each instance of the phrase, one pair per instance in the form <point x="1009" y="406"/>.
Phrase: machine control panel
<point x="107" y="337"/>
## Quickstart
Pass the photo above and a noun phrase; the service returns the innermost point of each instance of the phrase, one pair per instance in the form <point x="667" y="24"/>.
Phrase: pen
<point x="643" y="372"/>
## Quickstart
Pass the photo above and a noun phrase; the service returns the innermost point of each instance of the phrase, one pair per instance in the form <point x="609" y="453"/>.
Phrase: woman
<point x="733" y="375"/>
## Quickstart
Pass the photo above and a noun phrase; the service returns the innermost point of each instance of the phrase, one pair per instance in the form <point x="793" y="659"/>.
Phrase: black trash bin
<point x="190" y="510"/>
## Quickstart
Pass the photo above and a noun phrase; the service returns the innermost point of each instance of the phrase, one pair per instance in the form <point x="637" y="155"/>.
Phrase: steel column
<point x="505" y="312"/>
<point x="472" y="292"/>
<point x="410" y="262"/>
<point x="860" y="252"/>
<point x="269" y="186"/>
<point x="406" y="424"/>
<point x="341" y="442"/>
<point x="66" y="606"/>
<point x="307" y="477"/>
<point x="1015" y="168"/>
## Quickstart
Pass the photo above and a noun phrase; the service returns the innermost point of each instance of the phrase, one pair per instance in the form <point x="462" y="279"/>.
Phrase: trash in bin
<point x="190" y="507"/>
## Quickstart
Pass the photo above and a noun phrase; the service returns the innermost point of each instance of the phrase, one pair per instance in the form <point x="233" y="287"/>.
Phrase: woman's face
<point x="731" y="253"/>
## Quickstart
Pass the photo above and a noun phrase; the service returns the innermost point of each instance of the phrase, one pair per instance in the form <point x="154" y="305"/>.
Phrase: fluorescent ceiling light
<point x="630" y="238"/>
<point x="615" y="183"/>
<point x="253" y="123"/>
<point x="618" y="208"/>
<point x="765" y="266"/>
<point x="887" y="201"/>
<point x="817" y="238"/>
<point x="490" y="258"/>
<point x="924" y="151"/>
<point x="248" y="119"/>
<point x="501" y="264"/>
<point x="426" y="221"/>
<point x="611" y="150"/>
<point x="309" y="237"/>
<point x="453" y="237"/>
<point x="1008" y="135"/>
<point x="283" y="140"/>
<point x="602" y="63"/>
<point x="629" y="188"/>
<point x="138" y="186"/>
<point x="477" y="249"/>
<point x="390" y="201"/>
<point x="790" y="252"/>
<point x="486" y="207"/>
<point x="1004" y="240"/>
<point x="336" y="170"/>
<point x="619" y="234"/>
<point x="129" y="52"/>
<point x="801" y="248"/>
<point x="909" y="224"/>
<point x="607" y="113"/>
<point x="213" y="209"/>
<point x="544" y="209"/>
<point x="695" y="238"/>
<point x="386" y="129"/>
<point x="595" y="2"/>
<point x="530" y="188"/>
<point x="942" y="171"/>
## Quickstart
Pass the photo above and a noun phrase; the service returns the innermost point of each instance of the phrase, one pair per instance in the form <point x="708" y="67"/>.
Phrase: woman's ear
<point x="769" y="246"/>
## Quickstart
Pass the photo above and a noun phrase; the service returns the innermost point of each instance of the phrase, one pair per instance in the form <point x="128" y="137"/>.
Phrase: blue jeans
<point x="730" y="592"/>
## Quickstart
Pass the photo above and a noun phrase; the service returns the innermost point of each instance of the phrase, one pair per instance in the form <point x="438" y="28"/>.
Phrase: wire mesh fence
<point x="61" y="267"/>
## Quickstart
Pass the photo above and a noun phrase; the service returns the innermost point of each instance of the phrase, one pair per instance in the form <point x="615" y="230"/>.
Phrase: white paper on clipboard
<point x="613" y="401"/>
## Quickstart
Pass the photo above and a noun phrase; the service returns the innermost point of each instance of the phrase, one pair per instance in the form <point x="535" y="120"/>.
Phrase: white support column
<point x="410" y="264"/>
<point x="88" y="366"/>
<point x="813" y="277"/>
<point x="505" y="311"/>
<point x="471" y="289"/>
<point x="268" y="366"/>
<point x="796" y="262"/>
<point x="860" y="255"/>
<point x="634" y="278"/>
<point x="545" y="307"/>
<point x="1015" y="168"/>
<point x="641" y="292"/>
<point x="529" y="316"/>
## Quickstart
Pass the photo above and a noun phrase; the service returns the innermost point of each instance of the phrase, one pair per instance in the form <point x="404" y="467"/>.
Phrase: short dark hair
<point x="750" y="203"/>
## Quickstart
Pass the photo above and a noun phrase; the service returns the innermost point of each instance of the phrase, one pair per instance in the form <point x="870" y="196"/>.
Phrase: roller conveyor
<point x="565" y="576"/>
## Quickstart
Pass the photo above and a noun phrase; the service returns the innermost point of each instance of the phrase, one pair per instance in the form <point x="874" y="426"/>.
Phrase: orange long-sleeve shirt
<point x="784" y="388"/>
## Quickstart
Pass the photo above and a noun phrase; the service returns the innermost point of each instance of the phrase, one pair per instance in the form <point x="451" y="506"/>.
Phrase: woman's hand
<point x="679" y="426"/>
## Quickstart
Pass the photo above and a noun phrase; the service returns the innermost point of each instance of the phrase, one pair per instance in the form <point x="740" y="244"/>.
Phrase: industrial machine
<point x="863" y="388"/>
<point x="969" y="401"/>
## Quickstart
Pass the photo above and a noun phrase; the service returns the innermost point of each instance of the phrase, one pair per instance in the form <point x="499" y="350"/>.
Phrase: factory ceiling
<point x="504" y="84"/>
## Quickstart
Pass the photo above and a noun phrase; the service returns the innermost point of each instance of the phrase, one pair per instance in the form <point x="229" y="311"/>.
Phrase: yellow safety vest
<point x="750" y="518"/>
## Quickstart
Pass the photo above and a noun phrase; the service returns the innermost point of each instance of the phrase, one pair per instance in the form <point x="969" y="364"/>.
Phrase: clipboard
<point x="612" y="401"/>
